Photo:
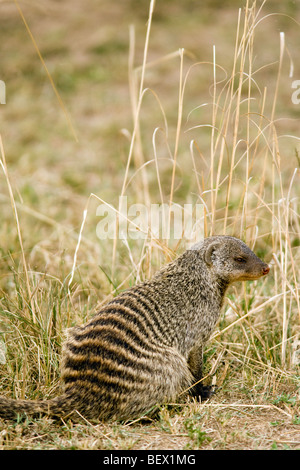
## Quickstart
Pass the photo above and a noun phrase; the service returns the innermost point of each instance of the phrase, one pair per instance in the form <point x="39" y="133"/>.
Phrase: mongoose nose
<point x="266" y="269"/>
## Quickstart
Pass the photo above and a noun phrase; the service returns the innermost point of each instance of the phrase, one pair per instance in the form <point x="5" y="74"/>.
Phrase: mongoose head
<point x="230" y="259"/>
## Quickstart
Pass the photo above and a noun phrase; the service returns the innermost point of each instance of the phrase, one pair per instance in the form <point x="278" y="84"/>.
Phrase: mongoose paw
<point x="203" y="392"/>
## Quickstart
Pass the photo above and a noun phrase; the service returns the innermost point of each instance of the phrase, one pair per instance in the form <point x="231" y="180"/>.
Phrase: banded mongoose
<point x="145" y="346"/>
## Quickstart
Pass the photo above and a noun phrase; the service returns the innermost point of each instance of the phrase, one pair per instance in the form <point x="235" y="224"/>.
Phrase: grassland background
<point x="85" y="46"/>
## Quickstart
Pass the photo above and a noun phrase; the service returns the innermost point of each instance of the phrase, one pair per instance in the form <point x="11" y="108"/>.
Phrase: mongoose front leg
<point x="195" y="362"/>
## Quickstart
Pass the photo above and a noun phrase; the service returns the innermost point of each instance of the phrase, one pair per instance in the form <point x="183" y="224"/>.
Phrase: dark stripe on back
<point x="126" y="327"/>
<point x="147" y="307"/>
<point x="92" y="356"/>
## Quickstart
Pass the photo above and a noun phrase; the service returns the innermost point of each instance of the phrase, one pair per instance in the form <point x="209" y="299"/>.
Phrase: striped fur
<point x="145" y="346"/>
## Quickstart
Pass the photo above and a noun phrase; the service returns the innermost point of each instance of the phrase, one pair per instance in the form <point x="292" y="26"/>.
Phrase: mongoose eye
<point x="239" y="259"/>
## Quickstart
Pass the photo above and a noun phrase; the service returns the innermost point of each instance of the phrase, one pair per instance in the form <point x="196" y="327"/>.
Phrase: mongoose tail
<point x="145" y="346"/>
<point x="60" y="407"/>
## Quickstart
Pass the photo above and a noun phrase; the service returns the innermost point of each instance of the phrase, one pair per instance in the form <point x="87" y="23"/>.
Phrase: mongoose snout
<point x="265" y="270"/>
<point x="145" y="346"/>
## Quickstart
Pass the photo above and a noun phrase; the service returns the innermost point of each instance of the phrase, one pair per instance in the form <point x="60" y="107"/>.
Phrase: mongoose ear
<point x="209" y="251"/>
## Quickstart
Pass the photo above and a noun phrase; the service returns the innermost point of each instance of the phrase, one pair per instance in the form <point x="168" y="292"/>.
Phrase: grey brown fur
<point x="145" y="346"/>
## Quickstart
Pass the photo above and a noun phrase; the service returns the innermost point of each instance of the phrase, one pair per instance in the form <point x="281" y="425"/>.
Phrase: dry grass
<point x="218" y="129"/>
